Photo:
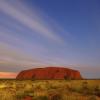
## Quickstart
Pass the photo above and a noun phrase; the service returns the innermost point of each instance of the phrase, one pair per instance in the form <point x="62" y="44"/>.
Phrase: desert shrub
<point x="29" y="93"/>
<point x="97" y="91"/>
<point x="38" y="87"/>
<point x="53" y="87"/>
<point x="20" y="96"/>
<point x="92" y="98"/>
<point x="28" y="98"/>
<point x="55" y="96"/>
<point x="85" y="85"/>
<point x="7" y="96"/>
<point x="70" y="88"/>
<point x="85" y="89"/>
<point x="41" y="98"/>
<point x="50" y="90"/>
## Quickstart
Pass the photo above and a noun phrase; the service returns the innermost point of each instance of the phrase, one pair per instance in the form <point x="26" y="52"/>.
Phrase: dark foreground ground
<point x="49" y="89"/>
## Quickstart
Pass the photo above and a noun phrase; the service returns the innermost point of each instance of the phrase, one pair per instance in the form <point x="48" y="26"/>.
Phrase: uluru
<point x="49" y="73"/>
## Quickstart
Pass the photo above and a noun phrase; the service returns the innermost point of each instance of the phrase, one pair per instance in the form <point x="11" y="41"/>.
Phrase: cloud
<point x="12" y="59"/>
<point x="35" y="23"/>
<point x="7" y="75"/>
<point x="18" y="52"/>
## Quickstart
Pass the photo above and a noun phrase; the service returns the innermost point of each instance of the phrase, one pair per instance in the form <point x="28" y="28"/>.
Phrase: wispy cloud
<point x="11" y="58"/>
<point x="17" y="51"/>
<point x="35" y="23"/>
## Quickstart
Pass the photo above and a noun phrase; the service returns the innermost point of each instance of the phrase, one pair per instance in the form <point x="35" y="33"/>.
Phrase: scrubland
<point x="49" y="89"/>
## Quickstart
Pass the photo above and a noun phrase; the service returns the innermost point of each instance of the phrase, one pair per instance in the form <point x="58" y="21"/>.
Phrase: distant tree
<point x="33" y="77"/>
<point x="65" y="77"/>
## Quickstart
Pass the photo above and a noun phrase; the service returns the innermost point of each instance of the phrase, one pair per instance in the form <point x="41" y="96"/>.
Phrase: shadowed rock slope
<point x="49" y="73"/>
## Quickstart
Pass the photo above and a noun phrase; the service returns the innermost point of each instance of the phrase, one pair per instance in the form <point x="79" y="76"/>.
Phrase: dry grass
<point x="50" y="89"/>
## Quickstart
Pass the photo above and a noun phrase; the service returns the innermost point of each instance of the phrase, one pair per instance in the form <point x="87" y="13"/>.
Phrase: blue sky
<point x="36" y="33"/>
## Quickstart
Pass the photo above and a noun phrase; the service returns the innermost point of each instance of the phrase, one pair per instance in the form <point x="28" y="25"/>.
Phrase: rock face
<point x="49" y="73"/>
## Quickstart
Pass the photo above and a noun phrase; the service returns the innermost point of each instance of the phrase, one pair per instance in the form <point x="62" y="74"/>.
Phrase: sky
<point x="39" y="33"/>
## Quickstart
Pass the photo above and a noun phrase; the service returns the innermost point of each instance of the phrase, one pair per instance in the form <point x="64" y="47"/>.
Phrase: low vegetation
<point x="49" y="89"/>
